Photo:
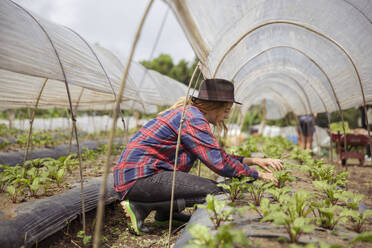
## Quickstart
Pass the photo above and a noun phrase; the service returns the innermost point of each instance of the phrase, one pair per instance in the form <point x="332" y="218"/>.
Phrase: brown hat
<point x="216" y="89"/>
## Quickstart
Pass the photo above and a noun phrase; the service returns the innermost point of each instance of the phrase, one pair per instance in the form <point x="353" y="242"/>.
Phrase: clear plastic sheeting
<point x="276" y="105"/>
<point x="34" y="51"/>
<point x="312" y="53"/>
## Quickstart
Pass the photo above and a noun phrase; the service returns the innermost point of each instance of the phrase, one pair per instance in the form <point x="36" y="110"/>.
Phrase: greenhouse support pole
<point x="193" y="92"/>
<point x="263" y="121"/>
<point x="29" y="139"/>
<point x="94" y="122"/>
<point x="11" y="118"/>
<point x="72" y="128"/>
<point x="101" y="201"/>
<point x="176" y="156"/>
<point x="68" y="119"/>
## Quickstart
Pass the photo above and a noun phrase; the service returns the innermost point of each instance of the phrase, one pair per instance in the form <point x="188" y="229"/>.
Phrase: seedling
<point x="313" y="245"/>
<point x="292" y="215"/>
<point x="34" y="187"/>
<point x="297" y="204"/>
<point x="358" y="219"/>
<point x="303" y="156"/>
<point x="3" y="180"/>
<point x="278" y="192"/>
<point x="350" y="199"/>
<point x="283" y="176"/>
<point x="4" y="143"/>
<point x="341" y="178"/>
<point x="60" y="175"/>
<point x="257" y="189"/>
<point x="11" y="190"/>
<point x="217" y="210"/>
<point x="70" y="162"/>
<point x="330" y="191"/>
<point x="295" y="226"/>
<point x="329" y="217"/>
<point x="235" y="187"/>
<point x="265" y="207"/>
<point x="86" y="238"/>
<point x="225" y="236"/>
<point x="89" y="154"/>
<point x="245" y="150"/>
<point x="363" y="237"/>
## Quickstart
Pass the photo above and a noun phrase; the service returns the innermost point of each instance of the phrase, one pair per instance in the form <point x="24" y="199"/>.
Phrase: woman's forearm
<point x="250" y="161"/>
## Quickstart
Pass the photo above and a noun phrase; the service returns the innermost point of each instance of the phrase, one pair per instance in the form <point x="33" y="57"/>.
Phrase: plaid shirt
<point x="152" y="150"/>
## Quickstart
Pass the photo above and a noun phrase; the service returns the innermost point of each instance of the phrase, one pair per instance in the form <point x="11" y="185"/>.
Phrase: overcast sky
<point x="113" y="23"/>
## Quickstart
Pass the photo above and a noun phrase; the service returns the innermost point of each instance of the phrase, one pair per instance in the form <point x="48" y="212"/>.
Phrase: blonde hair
<point x="204" y="107"/>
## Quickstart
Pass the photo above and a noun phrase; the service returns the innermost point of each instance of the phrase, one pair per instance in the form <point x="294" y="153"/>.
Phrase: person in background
<point x="143" y="174"/>
<point x="306" y="130"/>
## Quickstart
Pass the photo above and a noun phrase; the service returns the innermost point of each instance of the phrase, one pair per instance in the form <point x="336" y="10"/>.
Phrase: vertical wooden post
<point x="29" y="140"/>
<point x="176" y="157"/>
<point x="263" y="122"/>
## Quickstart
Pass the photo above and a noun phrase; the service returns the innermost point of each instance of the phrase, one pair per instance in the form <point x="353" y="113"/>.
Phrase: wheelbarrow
<point x="355" y="146"/>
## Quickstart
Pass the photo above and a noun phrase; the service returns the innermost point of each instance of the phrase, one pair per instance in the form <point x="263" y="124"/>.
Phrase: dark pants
<point x="189" y="188"/>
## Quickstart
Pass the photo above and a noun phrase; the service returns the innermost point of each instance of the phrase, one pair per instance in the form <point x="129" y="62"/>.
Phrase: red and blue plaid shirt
<point x="152" y="149"/>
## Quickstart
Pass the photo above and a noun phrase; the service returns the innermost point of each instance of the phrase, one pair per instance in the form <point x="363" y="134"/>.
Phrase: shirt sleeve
<point x="199" y="140"/>
<point x="237" y="157"/>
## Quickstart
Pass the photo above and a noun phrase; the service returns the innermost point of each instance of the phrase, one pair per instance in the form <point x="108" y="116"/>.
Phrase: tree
<point x="181" y="72"/>
<point x="162" y="64"/>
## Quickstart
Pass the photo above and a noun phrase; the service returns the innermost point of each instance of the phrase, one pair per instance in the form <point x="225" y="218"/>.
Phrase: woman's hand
<point x="268" y="177"/>
<point x="267" y="163"/>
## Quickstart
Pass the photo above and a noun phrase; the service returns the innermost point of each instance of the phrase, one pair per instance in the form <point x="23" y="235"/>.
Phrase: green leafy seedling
<point x="283" y="176"/>
<point x="292" y="213"/>
<point x="358" y="219"/>
<point x="201" y="237"/>
<point x="86" y="238"/>
<point x="264" y="209"/>
<point x="257" y="189"/>
<point x="35" y="187"/>
<point x="235" y="187"/>
<point x="60" y="175"/>
<point x="303" y="156"/>
<point x="329" y="217"/>
<point x="218" y="211"/>
<point x="363" y="237"/>
<point x="313" y="245"/>
<point x="350" y="199"/>
<point x="226" y="236"/>
<point x="12" y="191"/>
<point x="294" y="225"/>
<point x="278" y="192"/>
<point x="329" y="191"/>
<point x="70" y="162"/>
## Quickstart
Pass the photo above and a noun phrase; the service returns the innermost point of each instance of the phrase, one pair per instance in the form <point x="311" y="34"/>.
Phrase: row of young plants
<point x="35" y="177"/>
<point x="11" y="137"/>
<point x="297" y="212"/>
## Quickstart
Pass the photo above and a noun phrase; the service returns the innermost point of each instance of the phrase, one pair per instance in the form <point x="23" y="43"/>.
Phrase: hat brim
<point x="214" y="100"/>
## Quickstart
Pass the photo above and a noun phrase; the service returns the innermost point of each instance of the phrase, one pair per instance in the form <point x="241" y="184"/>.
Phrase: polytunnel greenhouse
<point x="302" y="71"/>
